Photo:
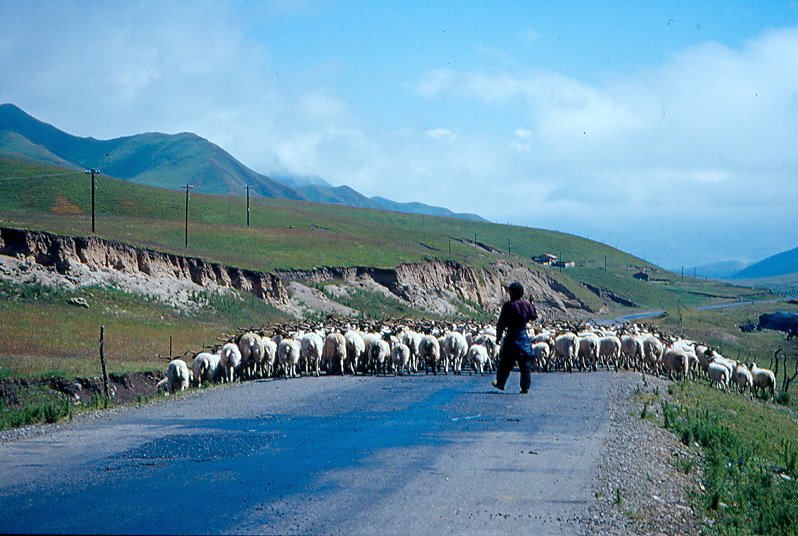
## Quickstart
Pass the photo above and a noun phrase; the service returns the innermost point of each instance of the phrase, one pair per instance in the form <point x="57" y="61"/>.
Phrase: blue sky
<point x="665" y="129"/>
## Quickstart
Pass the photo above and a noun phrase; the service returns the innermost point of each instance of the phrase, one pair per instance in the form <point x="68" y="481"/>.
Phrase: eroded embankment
<point x="436" y="286"/>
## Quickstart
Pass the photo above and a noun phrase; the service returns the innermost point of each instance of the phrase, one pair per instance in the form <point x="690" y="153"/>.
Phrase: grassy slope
<point x="301" y="235"/>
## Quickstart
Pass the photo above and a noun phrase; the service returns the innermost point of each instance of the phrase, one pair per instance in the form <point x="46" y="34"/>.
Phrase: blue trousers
<point x="516" y="350"/>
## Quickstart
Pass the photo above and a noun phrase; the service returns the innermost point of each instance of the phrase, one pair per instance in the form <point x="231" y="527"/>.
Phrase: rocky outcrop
<point x="436" y="286"/>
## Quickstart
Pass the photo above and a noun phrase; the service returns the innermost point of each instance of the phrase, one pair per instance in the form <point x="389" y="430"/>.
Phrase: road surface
<point x="332" y="455"/>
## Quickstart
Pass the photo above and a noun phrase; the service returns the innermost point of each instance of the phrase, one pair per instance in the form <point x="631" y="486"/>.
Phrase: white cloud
<point x="441" y="134"/>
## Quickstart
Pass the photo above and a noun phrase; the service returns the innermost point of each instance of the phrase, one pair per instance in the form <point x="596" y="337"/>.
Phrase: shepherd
<point x="516" y="348"/>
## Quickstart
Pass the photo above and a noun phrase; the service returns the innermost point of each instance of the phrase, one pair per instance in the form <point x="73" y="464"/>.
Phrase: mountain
<point x="715" y="270"/>
<point x="782" y="263"/>
<point x="173" y="160"/>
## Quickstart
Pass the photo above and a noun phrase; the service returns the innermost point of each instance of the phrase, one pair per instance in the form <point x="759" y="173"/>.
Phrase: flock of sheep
<point x="411" y="348"/>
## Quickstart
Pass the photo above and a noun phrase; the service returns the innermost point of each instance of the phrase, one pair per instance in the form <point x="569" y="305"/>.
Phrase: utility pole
<point x="605" y="263"/>
<point x="92" y="172"/>
<point x="509" y="249"/>
<point x="247" y="205"/>
<point x="187" y="187"/>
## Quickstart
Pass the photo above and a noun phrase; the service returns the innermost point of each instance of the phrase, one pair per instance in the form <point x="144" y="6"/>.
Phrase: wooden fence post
<point x="102" y="362"/>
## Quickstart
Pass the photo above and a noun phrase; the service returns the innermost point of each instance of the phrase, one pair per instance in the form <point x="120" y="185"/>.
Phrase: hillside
<point x="171" y="161"/>
<point x="781" y="264"/>
<point x="301" y="236"/>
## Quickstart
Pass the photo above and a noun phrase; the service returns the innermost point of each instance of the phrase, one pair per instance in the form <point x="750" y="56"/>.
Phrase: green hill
<point x="171" y="161"/>
<point x="300" y="235"/>
<point x="781" y="264"/>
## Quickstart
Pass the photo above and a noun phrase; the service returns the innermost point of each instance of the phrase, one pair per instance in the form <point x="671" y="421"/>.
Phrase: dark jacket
<point x="514" y="317"/>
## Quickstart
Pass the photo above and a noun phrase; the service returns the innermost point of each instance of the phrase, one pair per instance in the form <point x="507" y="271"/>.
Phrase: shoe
<point x="524" y="392"/>
<point x="496" y="385"/>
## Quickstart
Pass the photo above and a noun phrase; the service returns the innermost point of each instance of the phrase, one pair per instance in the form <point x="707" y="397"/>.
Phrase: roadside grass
<point x="750" y="458"/>
<point x="45" y="336"/>
<point x="35" y="405"/>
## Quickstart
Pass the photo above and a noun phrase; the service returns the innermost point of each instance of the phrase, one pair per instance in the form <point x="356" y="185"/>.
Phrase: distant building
<point x="564" y="264"/>
<point x="546" y="259"/>
<point x="642" y="276"/>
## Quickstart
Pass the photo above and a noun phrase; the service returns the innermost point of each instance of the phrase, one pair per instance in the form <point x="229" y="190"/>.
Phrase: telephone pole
<point x="247" y="205"/>
<point x="187" y="187"/>
<point x="92" y="172"/>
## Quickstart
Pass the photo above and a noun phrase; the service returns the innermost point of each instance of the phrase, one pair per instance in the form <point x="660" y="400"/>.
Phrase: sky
<point x="666" y="129"/>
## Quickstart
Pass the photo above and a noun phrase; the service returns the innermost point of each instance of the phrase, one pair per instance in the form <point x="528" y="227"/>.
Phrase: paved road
<point x="394" y="455"/>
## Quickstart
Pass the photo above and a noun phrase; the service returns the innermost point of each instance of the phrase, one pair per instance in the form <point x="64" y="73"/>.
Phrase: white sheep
<point x="230" y="361"/>
<point x="429" y="351"/>
<point x="763" y="379"/>
<point x="478" y="358"/>
<point x="676" y="362"/>
<point x="455" y="348"/>
<point x="610" y="350"/>
<point x="177" y="377"/>
<point x="288" y="356"/>
<point x="718" y="376"/>
<point x="355" y="348"/>
<point x="380" y="352"/>
<point x="541" y="351"/>
<point x="334" y="352"/>
<point x="269" y="357"/>
<point x="411" y="339"/>
<point x="566" y="348"/>
<point x="251" y="347"/>
<point x="588" y="351"/>
<point x="311" y="346"/>
<point x="205" y="367"/>
<point x="400" y="358"/>
<point x="744" y="380"/>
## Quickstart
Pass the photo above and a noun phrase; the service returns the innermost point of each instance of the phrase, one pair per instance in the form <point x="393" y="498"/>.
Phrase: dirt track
<point x="347" y="455"/>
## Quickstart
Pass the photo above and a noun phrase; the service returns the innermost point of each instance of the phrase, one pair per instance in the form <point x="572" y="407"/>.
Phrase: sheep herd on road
<point x="410" y="348"/>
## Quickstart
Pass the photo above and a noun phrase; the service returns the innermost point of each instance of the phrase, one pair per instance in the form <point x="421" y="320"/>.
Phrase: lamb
<point x="177" y="377"/>
<point x="400" y="358"/>
<point x="310" y="352"/>
<point x="540" y="356"/>
<point x="430" y="352"/>
<point x="763" y="379"/>
<point x="230" y="361"/>
<point x="205" y="368"/>
<point x="334" y="352"/>
<point x="288" y="356"/>
<point x="478" y="358"/>
<point x="718" y="376"/>
<point x="489" y="342"/>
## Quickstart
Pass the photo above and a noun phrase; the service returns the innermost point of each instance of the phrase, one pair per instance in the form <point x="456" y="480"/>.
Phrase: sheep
<point x="488" y="340"/>
<point x="588" y="351"/>
<point x="631" y="351"/>
<point x="478" y="358"/>
<point x="288" y="356"/>
<point x="379" y="353"/>
<point x="230" y="361"/>
<point x="334" y="352"/>
<point x="400" y="358"/>
<point x="455" y="347"/>
<point x="540" y="355"/>
<point x="610" y="350"/>
<point x="310" y="352"/>
<point x="718" y="376"/>
<point x="430" y="351"/>
<point x="178" y="376"/>
<point x="675" y="361"/>
<point x="251" y="347"/>
<point x="355" y="347"/>
<point x="205" y="368"/>
<point x="744" y="380"/>
<point x="763" y="379"/>
<point x="411" y="339"/>
<point x="269" y="357"/>
<point x="652" y="352"/>
<point x="566" y="347"/>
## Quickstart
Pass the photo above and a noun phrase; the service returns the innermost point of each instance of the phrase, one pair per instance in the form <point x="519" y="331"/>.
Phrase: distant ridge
<point x="173" y="160"/>
<point x="783" y="263"/>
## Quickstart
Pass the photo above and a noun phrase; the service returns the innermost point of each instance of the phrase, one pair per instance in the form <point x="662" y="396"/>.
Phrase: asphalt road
<point x="337" y="455"/>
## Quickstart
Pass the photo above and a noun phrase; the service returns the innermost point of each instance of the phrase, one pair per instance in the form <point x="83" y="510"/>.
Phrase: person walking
<point x="516" y="347"/>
